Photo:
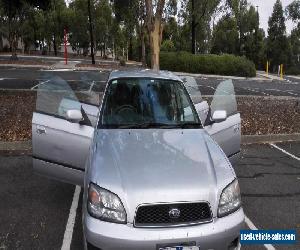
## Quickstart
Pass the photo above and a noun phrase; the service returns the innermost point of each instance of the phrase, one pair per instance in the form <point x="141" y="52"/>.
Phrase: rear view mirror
<point x="74" y="116"/>
<point x="219" y="116"/>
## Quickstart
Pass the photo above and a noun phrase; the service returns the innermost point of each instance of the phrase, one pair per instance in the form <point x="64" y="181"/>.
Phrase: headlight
<point x="230" y="199"/>
<point x="105" y="205"/>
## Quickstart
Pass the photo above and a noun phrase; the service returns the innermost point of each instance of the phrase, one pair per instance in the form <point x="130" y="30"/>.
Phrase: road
<point x="12" y="78"/>
<point x="50" y="59"/>
<point x="34" y="210"/>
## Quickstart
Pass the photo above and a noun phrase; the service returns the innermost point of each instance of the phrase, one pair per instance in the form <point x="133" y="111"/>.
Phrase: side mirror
<point x="74" y="116"/>
<point x="219" y="116"/>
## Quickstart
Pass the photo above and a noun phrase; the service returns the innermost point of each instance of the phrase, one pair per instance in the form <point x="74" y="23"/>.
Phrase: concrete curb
<point x="25" y="147"/>
<point x="255" y="139"/>
<point x="26" y="66"/>
<point x="15" y="148"/>
<point x="257" y="78"/>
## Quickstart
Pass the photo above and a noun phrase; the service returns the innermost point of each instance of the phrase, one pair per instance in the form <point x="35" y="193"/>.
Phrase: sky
<point x="265" y="9"/>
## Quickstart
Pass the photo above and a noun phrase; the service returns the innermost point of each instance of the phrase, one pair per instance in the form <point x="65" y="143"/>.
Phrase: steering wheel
<point x="125" y="108"/>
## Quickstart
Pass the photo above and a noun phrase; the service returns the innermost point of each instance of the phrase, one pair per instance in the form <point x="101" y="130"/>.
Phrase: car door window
<point x="193" y="89"/>
<point x="55" y="97"/>
<point x="224" y="98"/>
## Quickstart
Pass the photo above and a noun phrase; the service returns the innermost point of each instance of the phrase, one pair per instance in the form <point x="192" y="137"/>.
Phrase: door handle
<point x="41" y="130"/>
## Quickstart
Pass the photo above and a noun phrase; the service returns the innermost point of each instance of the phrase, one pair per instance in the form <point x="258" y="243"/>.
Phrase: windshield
<point x="146" y="102"/>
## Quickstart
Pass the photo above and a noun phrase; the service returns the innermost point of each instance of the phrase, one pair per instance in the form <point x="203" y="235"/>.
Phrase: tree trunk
<point x="193" y="37"/>
<point x="54" y="45"/>
<point x="130" y="49"/>
<point x="91" y="32"/>
<point x="155" y="28"/>
<point x="144" y="63"/>
<point x="155" y="40"/>
<point x="193" y="28"/>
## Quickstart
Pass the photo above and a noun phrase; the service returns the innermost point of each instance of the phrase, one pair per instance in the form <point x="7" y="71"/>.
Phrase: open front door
<point x="226" y="132"/>
<point x="60" y="145"/>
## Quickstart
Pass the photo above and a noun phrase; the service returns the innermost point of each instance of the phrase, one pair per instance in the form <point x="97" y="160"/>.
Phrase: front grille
<point x="158" y="215"/>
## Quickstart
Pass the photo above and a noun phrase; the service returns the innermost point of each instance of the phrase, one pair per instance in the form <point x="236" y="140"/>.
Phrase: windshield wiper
<point x="166" y="125"/>
<point x="154" y="125"/>
<point x="189" y="125"/>
<point x="146" y="125"/>
<point x="143" y="125"/>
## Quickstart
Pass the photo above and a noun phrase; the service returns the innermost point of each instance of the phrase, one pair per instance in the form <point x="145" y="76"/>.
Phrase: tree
<point x="127" y="13"/>
<point x="200" y="14"/>
<point x="13" y="11"/>
<point x="293" y="11"/>
<point x="295" y="45"/>
<point x="79" y="26"/>
<point x="225" y="36"/>
<point x="103" y="25"/>
<point x="253" y="36"/>
<point x="277" y="43"/>
<point x="155" y="29"/>
<point x="56" y="16"/>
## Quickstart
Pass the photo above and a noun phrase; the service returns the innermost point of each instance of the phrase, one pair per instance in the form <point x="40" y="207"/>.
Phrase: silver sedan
<point x="154" y="160"/>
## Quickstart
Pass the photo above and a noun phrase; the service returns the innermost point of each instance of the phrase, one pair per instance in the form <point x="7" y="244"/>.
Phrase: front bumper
<point x="215" y="235"/>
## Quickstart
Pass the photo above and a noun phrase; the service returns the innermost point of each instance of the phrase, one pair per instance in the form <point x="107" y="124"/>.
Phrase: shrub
<point x="168" y="45"/>
<point x="293" y="70"/>
<point x="207" y="64"/>
<point x="122" y="62"/>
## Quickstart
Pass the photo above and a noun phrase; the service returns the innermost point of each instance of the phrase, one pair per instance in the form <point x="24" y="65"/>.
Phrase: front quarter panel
<point x="224" y="171"/>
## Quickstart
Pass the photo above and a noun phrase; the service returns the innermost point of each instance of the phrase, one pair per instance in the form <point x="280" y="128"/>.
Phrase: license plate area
<point x="178" y="246"/>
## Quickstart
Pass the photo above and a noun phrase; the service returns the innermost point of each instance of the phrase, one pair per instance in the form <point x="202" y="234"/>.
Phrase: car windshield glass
<point x="145" y="103"/>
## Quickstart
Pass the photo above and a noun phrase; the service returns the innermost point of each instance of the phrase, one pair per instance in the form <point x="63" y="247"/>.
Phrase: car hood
<point x="157" y="165"/>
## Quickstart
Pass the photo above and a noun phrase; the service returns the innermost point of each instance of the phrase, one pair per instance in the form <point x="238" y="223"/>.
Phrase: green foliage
<point x="198" y="14"/>
<point x="293" y="70"/>
<point x="225" y="36"/>
<point x="207" y="64"/>
<point x="79" y="26"/>
<point x="293" y="10"/>
<point x="122" y="62"/>
<point x="127" y="15"/>
<point x="278" y="47"/>
<point x="168" y="46"/>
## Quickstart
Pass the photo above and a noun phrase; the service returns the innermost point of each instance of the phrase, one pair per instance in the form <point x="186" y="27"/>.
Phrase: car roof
<point x="143" y="73"/>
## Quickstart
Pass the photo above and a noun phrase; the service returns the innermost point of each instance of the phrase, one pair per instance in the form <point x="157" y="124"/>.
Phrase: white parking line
<point x="256" y="90"/>
<point x="2" y="79"/>
<point x="282" y="150"/>
<point x="291" y="92"/>
<point x="71" y="221"/>
<point x="35" y="86"/>
<point x="207" y="86"/>
<point x="58" y="70"/>
<point x="253" y="227"/>
<point x="92" y="85"/>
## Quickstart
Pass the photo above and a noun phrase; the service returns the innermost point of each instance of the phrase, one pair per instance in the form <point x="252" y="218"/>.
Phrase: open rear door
<point x="60" y="147"/>
<point x="228" y="132"/>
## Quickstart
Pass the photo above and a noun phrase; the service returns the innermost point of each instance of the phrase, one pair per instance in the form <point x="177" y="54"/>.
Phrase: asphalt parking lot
<point x="35" y="211"/>
<point x="28" y="79"/>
